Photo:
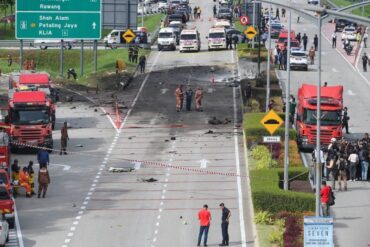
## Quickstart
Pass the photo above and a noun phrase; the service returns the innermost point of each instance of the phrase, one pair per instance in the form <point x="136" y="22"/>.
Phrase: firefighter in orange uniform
<point x="24" y="181"/>
<point x="179" y="98"/>
<point x="199" y="98"/>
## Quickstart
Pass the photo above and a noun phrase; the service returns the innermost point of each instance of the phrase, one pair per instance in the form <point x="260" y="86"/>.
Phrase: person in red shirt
<point x="324" y="193"/>
<point x="204" y="217"/>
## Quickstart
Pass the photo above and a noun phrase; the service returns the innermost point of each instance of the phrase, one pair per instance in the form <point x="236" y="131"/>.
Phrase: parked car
<point x="177" y="27"/>
<point x="340" y="24"/>
<point x="45" y="43"/>
<point x="313" y="2"/>
<point x="224" y="13"/>
<point x="298" y="59"/>
<point x="349" y="33"/>
<point x="176" y="17"/>
<point x="276" y="27"/>
<point x="162" y="5"/>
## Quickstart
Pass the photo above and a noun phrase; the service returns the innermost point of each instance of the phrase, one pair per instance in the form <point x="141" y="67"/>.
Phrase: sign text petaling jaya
<point x="58" y="20"/>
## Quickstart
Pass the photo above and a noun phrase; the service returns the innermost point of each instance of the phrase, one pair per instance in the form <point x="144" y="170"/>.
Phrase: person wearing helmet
<point x="15" y="174"/>
<point x="24" y="181"/>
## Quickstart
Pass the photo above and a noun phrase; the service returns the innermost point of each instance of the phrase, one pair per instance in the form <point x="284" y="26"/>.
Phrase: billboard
<point x="120" y="14"/>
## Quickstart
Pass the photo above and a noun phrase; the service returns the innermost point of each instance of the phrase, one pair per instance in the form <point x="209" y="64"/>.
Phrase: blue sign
<point x="318" y="231"/>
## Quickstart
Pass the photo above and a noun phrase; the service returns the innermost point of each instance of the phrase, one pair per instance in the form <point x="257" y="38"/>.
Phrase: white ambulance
<point x="189" y="40"/>
<point x="216" y="38"/>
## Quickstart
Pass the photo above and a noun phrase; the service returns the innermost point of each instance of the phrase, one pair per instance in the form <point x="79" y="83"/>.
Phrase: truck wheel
<point x="11" y="222"/>
<point x="174" y="47"/>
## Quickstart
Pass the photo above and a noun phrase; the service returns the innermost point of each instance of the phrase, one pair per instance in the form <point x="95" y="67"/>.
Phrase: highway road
<point x="192" y="162"/>
<point x="351" y="211"/>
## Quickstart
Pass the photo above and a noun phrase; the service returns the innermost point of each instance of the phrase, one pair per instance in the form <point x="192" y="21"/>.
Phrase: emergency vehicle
<point x="331" y="111"/>
<point x="189" y="40"/>
<point x="216" y="38"/>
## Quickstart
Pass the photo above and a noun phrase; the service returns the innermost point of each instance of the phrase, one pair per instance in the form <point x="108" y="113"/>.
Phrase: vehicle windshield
<point x="298" y="54"/>
<point x="276" y="27"/>
<point x="24" y="116"/>
<point x="223" y="11"/>
<point x="282" y="40"/>
<point x="188" y="36"/>
<point x="4" y="195"/>
<point x="216" y="35"/>
<point x="327" y="117"/>
<point x="165" y="35"/>
<point x="349" y="30"/>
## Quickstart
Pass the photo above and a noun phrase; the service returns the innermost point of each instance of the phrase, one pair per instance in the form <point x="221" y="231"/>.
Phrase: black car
<point x="184" y="14"/>
<point x="224" y="13"/>
<point x="342" y="23"/>
<point x="176" y="17"/>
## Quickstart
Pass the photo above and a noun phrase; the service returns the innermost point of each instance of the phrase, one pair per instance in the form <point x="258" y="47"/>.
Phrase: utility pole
<point x="253" y="21"/>
<point x="287" y="105"/>
<point x="62" y="58"/>
<point x="318" y="124"/>
<point x="268" y="63"/>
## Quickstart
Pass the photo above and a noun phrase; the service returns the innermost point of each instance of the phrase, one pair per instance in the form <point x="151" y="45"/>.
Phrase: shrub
<point x="263" y="217"/>
<point x="255" y="106"/>
<point x="293" y="235"/>
<point x="268" y="196"/>
<point x="263" y="157"/>
<point x="277" y="237"/>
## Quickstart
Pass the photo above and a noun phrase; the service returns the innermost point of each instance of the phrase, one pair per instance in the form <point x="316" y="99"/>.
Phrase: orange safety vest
<point x="23" y="177"/>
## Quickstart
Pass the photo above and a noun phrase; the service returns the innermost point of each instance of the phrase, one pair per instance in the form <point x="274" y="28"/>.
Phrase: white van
<point x="166" y="39"/>
<point x="189" y="40"/>
<point x="216" y="38"/>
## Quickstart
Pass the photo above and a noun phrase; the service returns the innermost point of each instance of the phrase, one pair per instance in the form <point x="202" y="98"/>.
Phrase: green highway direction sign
<point x="58" y="19"/>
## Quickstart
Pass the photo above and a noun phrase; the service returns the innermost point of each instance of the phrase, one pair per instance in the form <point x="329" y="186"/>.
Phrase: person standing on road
<point x="44" y="181"/>
<point x="305" y="40"/>
<point x="293" y="105"/>
<point x="199" y="98"/>
<point x="324" y="194"/>
<point x="353" y="162"/>
<point x="334" y="40"/>
<point x="248" y="92"/>
<point x="64" y="139"/>
<point x="342" y="173"/>
<point x="235" y="40"/>
<point x="283" y="12"/>
<point x="179" y="98"/>
<point x="142" y="63"/>
<point x="43" y="157"/>
<point x="31" y="177"/>
<point x="226" y="214"/>
<point x="15" y="174"/>
<point x="214" y="10"/>
<point x="205" y="218"/>
<point x="195" y="11"/>
<point x="199" y="12"/>
<point x="311" y="54"/>
<point x="365" y="60"/>
<point x="345" y="119"/>
<point x="364" y="161"/>
<point x="366" y="36"/>
<point x="277" y="15"/>
<point x="316" y="42"/>
<point x="189" y="98"/>
<point x="299" y="38"/>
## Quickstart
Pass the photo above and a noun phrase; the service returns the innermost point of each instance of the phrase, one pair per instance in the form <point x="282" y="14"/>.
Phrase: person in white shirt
<point x="353" y="162"/>
<point x="334" y="40"/>
<point x="365" y="39"/>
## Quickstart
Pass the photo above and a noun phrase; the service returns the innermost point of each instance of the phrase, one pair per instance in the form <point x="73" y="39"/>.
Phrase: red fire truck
<point x="331" y="110"/>
<point x="29" y="119"/>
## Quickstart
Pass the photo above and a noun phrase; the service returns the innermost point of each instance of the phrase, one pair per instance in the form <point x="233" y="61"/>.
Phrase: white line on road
<point x="237" y="164"/>
<point x="18" y="227"/>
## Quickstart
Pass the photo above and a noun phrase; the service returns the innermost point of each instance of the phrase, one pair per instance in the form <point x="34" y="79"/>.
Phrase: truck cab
<point x="306" y="119"/>
<point x="283" y="38"/>
<point x="30" y="120"/>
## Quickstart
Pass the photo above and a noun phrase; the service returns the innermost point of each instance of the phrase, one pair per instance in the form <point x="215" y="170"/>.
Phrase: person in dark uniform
<point x="305" y="40"/>
<point x="235" y="41"/>
<point x="248" y="91"/>
<point x="135" y="54"/>
<point x="345" y="119"/>
<point x="228" y="42"/>
<point x="225" y="224"/>
<point x="316" y="42"/>
<point x="130" y="53"/>
<point x="189" y="98"/>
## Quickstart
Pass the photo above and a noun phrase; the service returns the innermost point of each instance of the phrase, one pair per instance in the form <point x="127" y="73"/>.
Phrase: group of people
<point x="133" y="56"/>
<point x="188" y="94"/>
<point x="28" y="64"/>
<point x="25" y="178"/>
<point x="197" y="11"/>
<point x="205" y="218"/>
<point x="231" y="40"/>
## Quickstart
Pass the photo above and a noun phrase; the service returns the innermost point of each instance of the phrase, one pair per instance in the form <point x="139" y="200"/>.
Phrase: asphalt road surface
<point x="188" y="161"/>
<point x="351" y="211"/>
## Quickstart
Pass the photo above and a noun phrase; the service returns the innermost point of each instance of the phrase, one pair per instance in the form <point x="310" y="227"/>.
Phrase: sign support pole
<point x="95" y="56"/>
<point x="21" y="55"/>
<point x="318" y="126"/>
<point x="268" y="63"/>
<point x="62" y="58"/>
<point x="82" y="58"/>
<point x="254" y="18"/>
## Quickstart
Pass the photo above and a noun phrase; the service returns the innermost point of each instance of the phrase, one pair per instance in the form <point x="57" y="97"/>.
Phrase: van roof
<point x="216" y="29"/>
<point x="189" y="31"/>
<point x="166" y="29"/>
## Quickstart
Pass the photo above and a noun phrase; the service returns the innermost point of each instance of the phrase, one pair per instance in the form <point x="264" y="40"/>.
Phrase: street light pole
<point x="318" y="124"/>
<point x="253" y="21"/>
<point x="287" y="110"/>
<point x="142" y="14"/>
<point x="268" y="63"/>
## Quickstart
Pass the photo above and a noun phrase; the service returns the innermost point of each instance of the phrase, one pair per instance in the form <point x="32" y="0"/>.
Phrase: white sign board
<point x="271" y="139"/>
<point x="318" y="231"/>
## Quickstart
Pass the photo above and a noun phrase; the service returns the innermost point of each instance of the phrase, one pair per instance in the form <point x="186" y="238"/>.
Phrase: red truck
<point x="30" y="119"/>
<point x="28" y="81"/>
<point x="331" y="111"/>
